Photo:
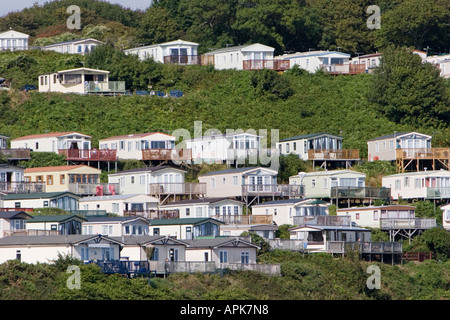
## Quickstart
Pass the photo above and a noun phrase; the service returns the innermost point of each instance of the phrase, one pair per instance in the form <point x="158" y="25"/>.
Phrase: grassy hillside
<point x="294" y="103"/>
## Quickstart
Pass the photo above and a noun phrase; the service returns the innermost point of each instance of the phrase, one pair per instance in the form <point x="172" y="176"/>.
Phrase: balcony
<point x="438" y="192"/>
<point x="333" y="154"/>
<point x="95" y="189"/>
<point x="360" y="192"/>
<point x="166" y="154"/>
<point x="153" y="214"/>
<point x="16" y="154"/>
<point x="27" y="232"/>
<point x="422" y="153"/>
<point x="89" y="154"/>
<point x="22" y="187"/>
<point x="272" y="64"/>
<point x="183" y="59"/>
<point x="244" y="219"/>
<point x="178" y="188"/>
<point x="322" y="220"/>
<point x="273" y="190"/>
<point x="347" y="68"/>
<point x="105" y="87"/>
<point x="405" y="223"/>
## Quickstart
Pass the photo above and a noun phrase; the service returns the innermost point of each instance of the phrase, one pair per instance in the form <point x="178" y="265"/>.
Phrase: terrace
<point x="22" y="187"/>
<point x="244" y="219"/>
<point x="273" y="190"/>
<point x="348" y="68"/>
<point x="16" y="154"/>
<point x="183" y="59"/>
<point x="89" y="154"/>
<point x="272" y="64"/>
<point x="360" y="193"/>
<point x="166" y="154"/>
<point x="153" y="214"/>
<point x="333" y="154"/>
<point x="105" y="87"/>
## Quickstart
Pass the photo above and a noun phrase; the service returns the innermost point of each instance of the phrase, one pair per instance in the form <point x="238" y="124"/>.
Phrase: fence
<point x="415" y="223"/>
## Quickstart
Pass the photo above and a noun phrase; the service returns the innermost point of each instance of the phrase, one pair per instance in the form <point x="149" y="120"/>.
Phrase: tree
<point x="408" y="91"/>
<point x="290" y="165"/>
<point x="437" y="240"/>
<point x="422" y="23"/>
<point x="271" y="85"/>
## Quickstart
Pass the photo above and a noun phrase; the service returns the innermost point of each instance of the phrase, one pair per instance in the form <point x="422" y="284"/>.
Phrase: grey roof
<point x="234" y="170"/>
<point x="310" y="135"/>
<point x="290" y="201"/>
<point x="39" y="195"/>
<point x="70" y="41"/>
<point x="217" y="242"/>
<point x="113" y="197"/>
<point x="234" y="48"/>
<point x="350" y="228"/>
<point x="201" y="200"/>
<point x="143" y="240"/>
<point x="182" y="221"/>
<point x="396" y="135"/>
<point x="14" y="214"/>
<point x="113" y="219"/>
<point x="48" y="240"/>
<point x="55" y="218"/>
<point x="147" y="169"/>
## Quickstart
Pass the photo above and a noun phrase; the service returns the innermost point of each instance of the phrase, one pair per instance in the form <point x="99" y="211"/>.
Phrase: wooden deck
<point x="272" y="64"/>
<point x="245" y="219"/>
<point x="166" y="154"/>
<point x="348" y="68"/>
<point x="95" y="189"/>
<point x="89" y="154"/>
<point x="410" y="159"/>
<point x="333" y="154"/>
<point x="16" y="154"/>
<point x="153" y="214"/>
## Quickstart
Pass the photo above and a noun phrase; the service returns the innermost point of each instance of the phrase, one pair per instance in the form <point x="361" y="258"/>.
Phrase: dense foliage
<point x="305" y="277"/>
<point x="287" y="25"/>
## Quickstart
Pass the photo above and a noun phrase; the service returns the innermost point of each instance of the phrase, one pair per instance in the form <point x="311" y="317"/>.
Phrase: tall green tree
<point x="418" y="24"/>
<point x="408" y="91"/>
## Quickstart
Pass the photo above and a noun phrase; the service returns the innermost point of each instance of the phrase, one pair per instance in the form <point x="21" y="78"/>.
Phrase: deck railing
<point x="245" y="219"/>
<point x="322" y="220"/>
<point x="270" y="269"/>
<point x="422" y="153"/>
<point x="406" y="223"/>
<point x="438" y="192"/>
<point x="182" y="59"/>
<point x="166" y="154"/>
<point x="360" y="192"/>
<point x="105" y="87"/>
<point x="22" y="187"/>
<point x="273" y="64"/>
<point x="89" y="154"/>
<point x="16" y="154"/>
<point x="364" y="247"/>
<point x="153" y="214"/>
<point x="30" y="232"/>
<point x="333" y="154"/>
<point x="97" y="189"/>
<point x="177" y="188"/>
<point x="281" y="190"/>
<point x="347" y="68"/>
